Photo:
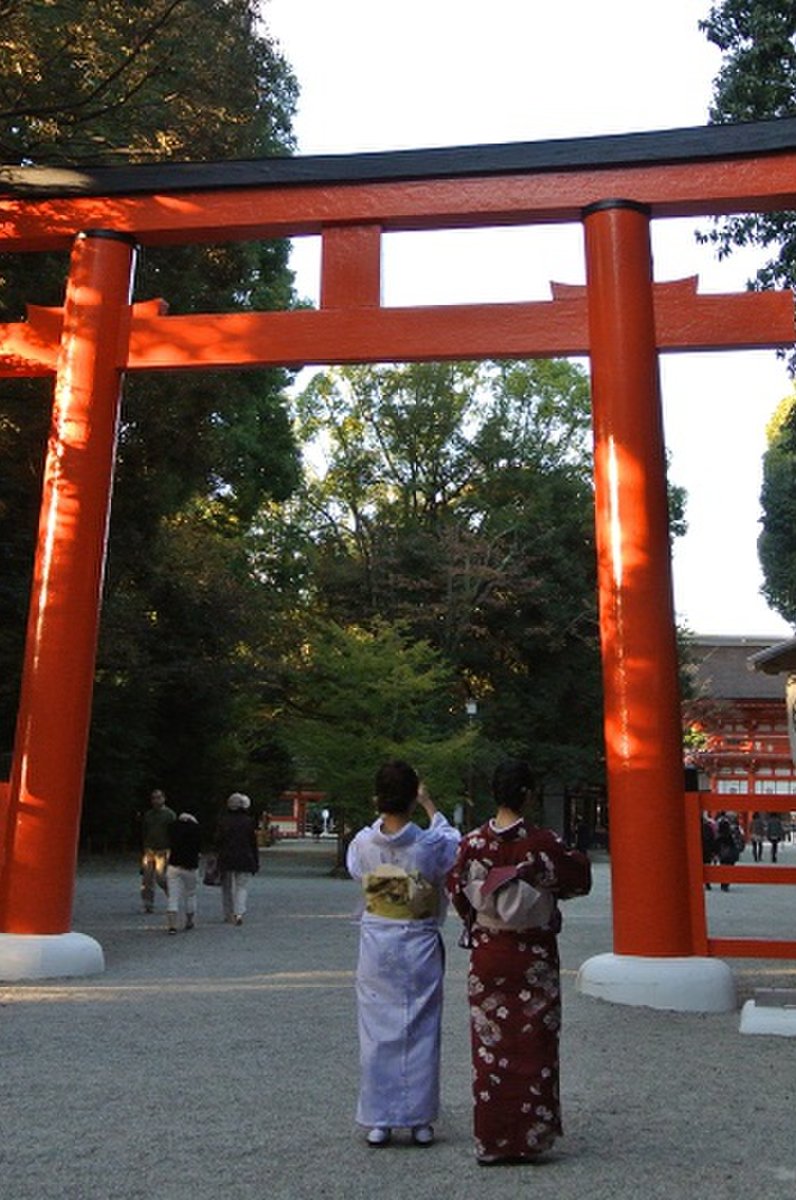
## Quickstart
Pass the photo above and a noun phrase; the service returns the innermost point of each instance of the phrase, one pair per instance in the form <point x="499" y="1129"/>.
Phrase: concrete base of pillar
<point x="48" y="956"/>
<point x="676" y="984"/>
<point x="763" y="1018"/>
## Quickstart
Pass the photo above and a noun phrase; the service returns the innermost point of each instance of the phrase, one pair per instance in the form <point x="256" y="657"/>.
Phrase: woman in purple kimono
<point x="506" y="883"/>
<point x="402" y="869"/>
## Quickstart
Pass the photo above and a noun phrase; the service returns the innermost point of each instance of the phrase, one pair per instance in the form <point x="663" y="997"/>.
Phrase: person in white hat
<point x="238" y="856"/>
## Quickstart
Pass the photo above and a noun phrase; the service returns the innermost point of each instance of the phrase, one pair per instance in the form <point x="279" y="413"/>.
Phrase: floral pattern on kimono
<point x="514" y="985"/>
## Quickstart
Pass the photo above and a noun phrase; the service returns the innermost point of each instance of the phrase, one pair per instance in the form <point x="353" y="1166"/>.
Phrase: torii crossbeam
<point x="614" y="187"/>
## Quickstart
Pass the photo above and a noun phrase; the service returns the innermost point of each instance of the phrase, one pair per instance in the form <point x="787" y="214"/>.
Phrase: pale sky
<point x="375" y="76"/>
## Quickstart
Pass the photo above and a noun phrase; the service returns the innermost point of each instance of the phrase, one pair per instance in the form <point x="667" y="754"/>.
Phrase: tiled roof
<point x="722" y="669"/>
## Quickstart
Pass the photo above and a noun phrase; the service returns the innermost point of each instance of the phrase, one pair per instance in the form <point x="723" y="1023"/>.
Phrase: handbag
<point x="211" y="875"/>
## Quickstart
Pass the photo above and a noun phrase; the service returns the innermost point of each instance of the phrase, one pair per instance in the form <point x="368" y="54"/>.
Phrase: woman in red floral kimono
<point x="506" y="883"/>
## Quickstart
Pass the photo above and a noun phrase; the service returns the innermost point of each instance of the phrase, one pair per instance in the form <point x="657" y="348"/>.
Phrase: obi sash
<point x="399" y="895"/>
<point x="504" y="901"/>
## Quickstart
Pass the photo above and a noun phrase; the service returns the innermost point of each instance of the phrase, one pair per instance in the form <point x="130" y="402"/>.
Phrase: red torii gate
<point x="614" y="186"/>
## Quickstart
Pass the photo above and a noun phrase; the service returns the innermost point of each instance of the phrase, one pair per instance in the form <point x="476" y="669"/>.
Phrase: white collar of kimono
<point x="500" y="829"/>
<point x="406" y="834"/>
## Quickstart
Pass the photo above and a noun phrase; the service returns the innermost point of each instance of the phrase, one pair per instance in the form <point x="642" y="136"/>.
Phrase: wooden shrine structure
<point x="613" y="187"/>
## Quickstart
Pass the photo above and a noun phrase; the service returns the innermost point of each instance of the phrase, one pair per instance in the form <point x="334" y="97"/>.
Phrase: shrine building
<point x="737" y="724"/>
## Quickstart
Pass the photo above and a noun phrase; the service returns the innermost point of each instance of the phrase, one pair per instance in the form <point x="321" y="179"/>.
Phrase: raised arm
<point x="426" y="803"/>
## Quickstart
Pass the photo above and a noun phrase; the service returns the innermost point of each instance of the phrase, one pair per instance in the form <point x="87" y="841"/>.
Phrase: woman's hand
<point x="425" y="801"/>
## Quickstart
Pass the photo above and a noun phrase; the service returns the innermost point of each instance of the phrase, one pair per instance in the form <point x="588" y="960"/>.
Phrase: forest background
<point x="399" y="562"/>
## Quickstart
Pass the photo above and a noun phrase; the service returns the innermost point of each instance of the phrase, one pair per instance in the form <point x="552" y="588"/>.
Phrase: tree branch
<point x="100" y="88"/>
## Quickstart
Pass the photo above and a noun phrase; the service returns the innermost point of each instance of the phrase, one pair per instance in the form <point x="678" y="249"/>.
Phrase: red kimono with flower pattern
<point x="514" y="986"/>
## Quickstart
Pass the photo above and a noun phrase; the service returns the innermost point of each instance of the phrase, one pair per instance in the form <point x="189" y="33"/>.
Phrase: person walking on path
<point x="402" y="870"/>
<point x="183" y="869"/>
<point x="708" y="842"/>
<point x="775" y="832"/>
<point x="505" y="884"/>
<point x="238" y="856"/>
<point x="757" y="833"/>
<point x="155" y="825"/>
<point x="726" y="844"/>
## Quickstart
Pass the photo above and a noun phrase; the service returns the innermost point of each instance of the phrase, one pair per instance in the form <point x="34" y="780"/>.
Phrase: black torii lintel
<point x="706" y="143"/>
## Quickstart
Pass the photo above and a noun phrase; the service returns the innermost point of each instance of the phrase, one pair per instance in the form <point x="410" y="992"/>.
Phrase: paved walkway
<point x="222" y="1064"/>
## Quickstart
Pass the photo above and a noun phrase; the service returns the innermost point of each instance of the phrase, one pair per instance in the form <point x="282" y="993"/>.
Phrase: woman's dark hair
<point x="511" y="784"/>
<point x="396" y="786"/>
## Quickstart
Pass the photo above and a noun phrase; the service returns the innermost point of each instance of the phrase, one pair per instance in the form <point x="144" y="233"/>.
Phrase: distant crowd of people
<point x="724" y="841"/>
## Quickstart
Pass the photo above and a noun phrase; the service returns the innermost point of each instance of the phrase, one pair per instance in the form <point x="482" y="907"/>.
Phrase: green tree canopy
<point x="456" y="500"/>
<point x="185" y="635"/>
<point x="777" y="541"/>
<point x="757" y="81"/>
<point x="103" y="81"/>
<point x="358" y="697"/>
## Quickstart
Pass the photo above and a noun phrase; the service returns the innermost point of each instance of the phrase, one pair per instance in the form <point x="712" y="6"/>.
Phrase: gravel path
<point x="222" y="1063"/>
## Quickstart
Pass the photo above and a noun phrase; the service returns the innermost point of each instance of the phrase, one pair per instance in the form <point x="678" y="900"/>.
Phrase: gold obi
<point x="400" y="895"/>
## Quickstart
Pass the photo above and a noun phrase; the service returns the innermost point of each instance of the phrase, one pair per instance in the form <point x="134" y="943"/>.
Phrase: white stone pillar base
<point x="761" y="1018"/>
<point x="677" y="984"/>
<point x="49" y="956"/>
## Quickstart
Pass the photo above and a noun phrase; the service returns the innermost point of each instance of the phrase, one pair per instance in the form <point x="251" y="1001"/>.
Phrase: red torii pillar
<point x="45" y="793"/>
<point x="653" y="961"/>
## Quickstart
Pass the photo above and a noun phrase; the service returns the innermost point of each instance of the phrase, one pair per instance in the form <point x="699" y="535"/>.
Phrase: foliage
<point x="777" y="543"/>
<point x="360" y="696"/>
<point x="455" y="499"/>
<point x="187" y="637"/>
<point x="757" y="81"/>
<point x="103" y="81"/>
